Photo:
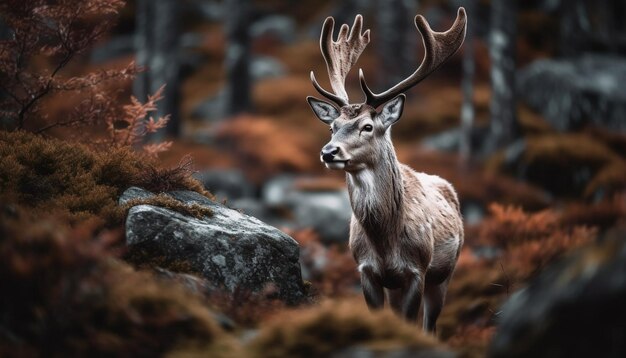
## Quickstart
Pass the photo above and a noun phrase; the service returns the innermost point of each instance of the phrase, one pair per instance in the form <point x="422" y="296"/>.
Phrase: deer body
<point x="406" y="231"/>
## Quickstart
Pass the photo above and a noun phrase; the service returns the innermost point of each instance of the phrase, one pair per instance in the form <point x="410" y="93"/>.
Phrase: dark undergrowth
<point x="65" y="294"/>
<point x="80" y="183"/>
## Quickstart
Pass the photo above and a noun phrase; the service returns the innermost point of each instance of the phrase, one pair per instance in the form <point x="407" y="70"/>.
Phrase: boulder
<point x="192" y="283"/>
<point x="571" y="93"/>
<point x="276" y="216"/>
<point x="327" y="211"/>
<point x="229" y="249"/>
<point x="280" y="26"/>
<point x="574" y="309"/>
<point x="226" y="184"/>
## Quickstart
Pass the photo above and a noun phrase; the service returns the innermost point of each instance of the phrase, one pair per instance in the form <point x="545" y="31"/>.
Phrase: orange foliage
<point x="264" y="147"/>
<point x="531" y="241"/>
<point x="54" y="33"/>
<point x="472" y="341"/>
<point x="603" y="215"/>
<point x="135" y="125"/>
<point x="64" y="295"/>
<point x="529" y="258"/>
<point x="332" y="326"/>
<point x="332" y="269"/>
<point x="245" y="307"/>
<point x="280" y="95"/>
<point x="509" y="226"/>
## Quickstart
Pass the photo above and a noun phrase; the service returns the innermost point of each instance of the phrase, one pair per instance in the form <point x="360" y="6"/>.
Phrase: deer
<point x="406" y="229"/>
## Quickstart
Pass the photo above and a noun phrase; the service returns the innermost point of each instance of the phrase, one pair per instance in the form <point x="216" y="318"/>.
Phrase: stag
<point x="406" y="230"/>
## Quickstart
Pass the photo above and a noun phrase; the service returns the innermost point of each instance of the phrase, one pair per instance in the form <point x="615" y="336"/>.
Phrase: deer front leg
<point x="372" y="288"/>
<point x="412" y="295"/>
<point x="434" y="296"/>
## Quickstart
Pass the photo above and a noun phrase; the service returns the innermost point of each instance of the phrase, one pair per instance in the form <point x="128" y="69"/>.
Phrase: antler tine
<point x="438" y="48"/>
<point x="340" y="56"/>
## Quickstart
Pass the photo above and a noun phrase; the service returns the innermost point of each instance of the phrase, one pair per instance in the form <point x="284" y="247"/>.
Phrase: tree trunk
<point x="157" y="47"/>
<point x="574" y="28"/>
<point x="345" y="11"/>
<point x="143" y="42"/>
<point x="467" y="85"/>
<point x="165" y="64"/>
<point x="237" y="60"/>
<point x="503" y="127"/>
<point x="396" y="40"/>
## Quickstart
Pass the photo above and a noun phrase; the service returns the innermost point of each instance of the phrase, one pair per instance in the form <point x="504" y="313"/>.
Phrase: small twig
<point x="507" y="279"/>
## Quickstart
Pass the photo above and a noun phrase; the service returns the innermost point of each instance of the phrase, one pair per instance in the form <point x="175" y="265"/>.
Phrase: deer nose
<point x="328" y="152"/>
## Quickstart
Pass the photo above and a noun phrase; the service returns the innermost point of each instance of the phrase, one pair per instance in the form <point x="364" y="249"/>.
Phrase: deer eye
<point x="368" y="128"/>
<point x="330" y="129"/>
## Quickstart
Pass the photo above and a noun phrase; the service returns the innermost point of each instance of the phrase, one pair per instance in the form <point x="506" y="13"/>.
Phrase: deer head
<point x="361" y="132"/>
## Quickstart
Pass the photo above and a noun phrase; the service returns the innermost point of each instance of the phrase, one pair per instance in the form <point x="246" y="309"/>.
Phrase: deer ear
<point x="392" y="110"/>
<point x="325" y="111"/>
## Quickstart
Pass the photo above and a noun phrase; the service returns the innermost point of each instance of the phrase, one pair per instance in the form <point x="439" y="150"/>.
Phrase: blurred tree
<point x="237" y="28"/>
<point x="467" y="85"/>
<point x="157" y="46"/>
<point x="503" y="127"/>
<point x="345" y="11"/>
<point x="396" y="40"/>
<point x="573" y="21"/>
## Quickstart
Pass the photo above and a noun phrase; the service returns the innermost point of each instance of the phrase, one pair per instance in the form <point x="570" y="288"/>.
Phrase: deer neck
<point x="376" y="194"/>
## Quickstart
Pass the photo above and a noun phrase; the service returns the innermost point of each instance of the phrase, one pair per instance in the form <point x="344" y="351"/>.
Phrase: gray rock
<point x="277" y="216"/>
<point x="276" y="190"/>
<point x="571" y="93"/>
<point x="574" y="309"/>
<point x="282" y="27"/>
<point x="473" y="212"/>
<point x="134" y="193"/>
<point x="208" y="10"/>
<point x="263" y="67"/>
<point x="327" y="212"/>
<point x="190" y="282"/>
<point x="226" y="184"/>
<point x="229" y="249"/>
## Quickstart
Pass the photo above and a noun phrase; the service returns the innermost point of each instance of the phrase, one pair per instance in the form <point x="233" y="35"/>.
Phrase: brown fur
<point x="412" y="223"/>
<point x="406" y="231"/>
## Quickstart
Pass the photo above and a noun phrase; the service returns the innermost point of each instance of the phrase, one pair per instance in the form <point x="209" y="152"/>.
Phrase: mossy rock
<point x="186" y="231"/>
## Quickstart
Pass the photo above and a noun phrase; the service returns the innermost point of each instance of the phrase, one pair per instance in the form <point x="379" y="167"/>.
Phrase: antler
<point x="340" y="56"/>
<point x="438" y="48"/>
